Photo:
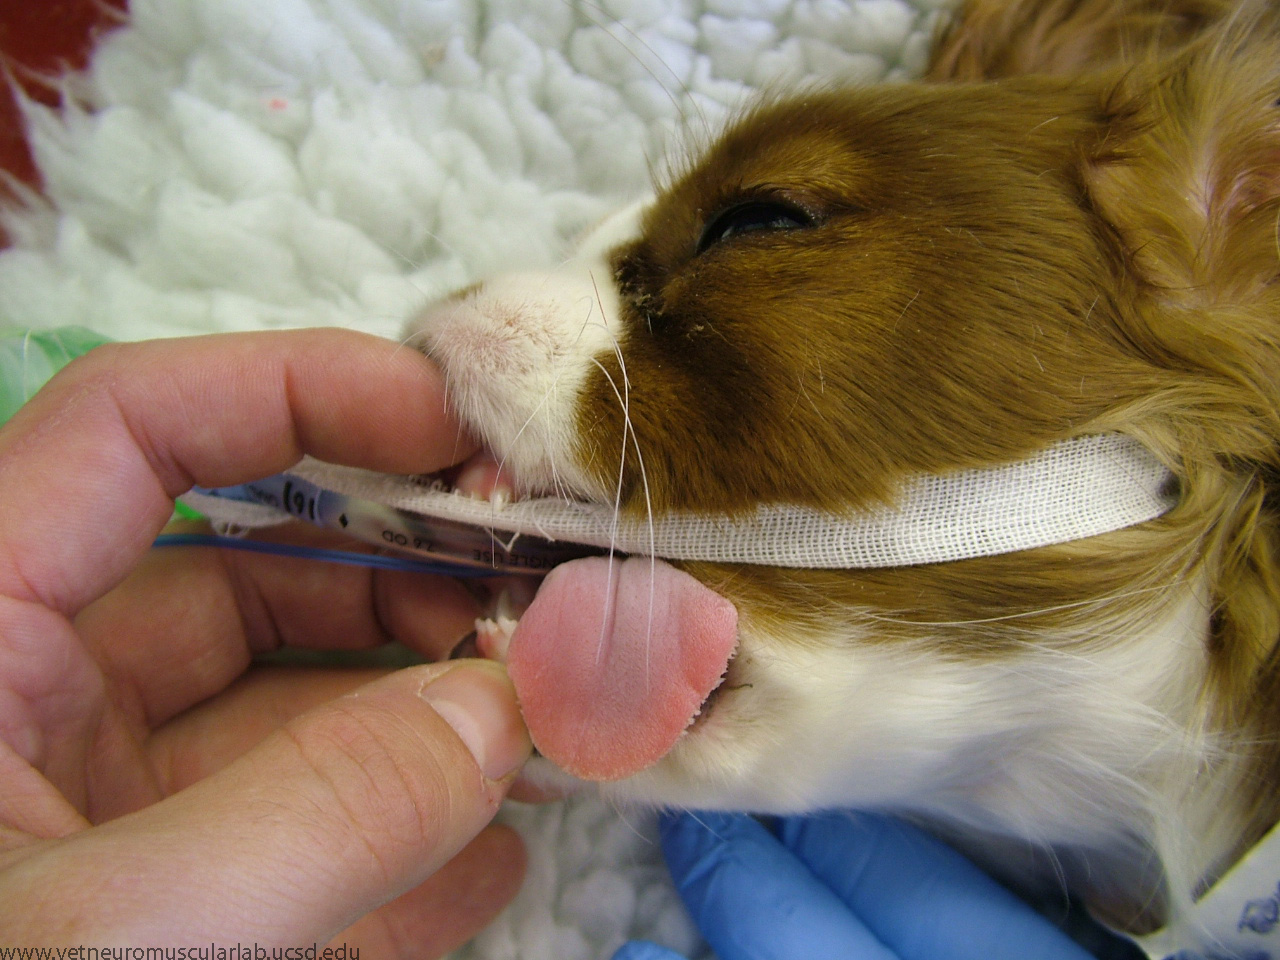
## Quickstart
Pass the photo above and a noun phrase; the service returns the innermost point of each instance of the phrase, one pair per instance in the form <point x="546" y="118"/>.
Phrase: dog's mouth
<point x="483" y="475"/>
<point x="612" y="658"/>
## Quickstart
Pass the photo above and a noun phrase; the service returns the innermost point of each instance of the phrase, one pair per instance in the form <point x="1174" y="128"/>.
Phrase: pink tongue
<point x="613" y="659"/>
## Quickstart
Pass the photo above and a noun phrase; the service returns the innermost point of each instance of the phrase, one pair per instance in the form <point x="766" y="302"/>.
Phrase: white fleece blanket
<point x="246" y="164"/>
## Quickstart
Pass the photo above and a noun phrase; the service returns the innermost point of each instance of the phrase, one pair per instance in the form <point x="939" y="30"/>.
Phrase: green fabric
<point x="28" y="358"/>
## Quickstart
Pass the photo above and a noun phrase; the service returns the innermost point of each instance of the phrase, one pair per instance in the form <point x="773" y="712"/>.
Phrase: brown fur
<point x="1089" y="244"/>
<point x="996" y="38"/>
<point x="904" y="189"/>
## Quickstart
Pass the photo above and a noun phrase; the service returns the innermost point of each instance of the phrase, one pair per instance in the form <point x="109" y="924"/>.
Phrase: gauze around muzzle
<point x="1078" y="488"/>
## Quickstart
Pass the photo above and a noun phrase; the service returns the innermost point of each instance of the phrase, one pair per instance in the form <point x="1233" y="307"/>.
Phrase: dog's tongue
<point x="613" y="659"/>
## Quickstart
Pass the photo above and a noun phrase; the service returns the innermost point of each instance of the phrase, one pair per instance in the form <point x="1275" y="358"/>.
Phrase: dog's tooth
<point x="493" y="637"/>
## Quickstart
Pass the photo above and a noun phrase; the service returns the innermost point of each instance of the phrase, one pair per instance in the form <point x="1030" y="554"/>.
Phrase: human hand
<point x="158" y="792"/>
<point x="842" y="887"/>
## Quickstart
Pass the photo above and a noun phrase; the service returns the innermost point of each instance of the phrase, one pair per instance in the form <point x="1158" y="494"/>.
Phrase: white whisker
<point x="624" y="399"/>
<point x="1080" y="605"/>
<point x="617" y="497"/>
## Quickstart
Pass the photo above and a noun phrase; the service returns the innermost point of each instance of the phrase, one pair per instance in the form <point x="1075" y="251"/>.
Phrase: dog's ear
<point x="989" y="39"/>
<point x="1189" y="170"/>
<point x="1186" y="179"/>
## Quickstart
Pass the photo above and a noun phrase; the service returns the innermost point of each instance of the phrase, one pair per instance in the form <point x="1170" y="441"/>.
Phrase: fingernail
<point x="476" y="699"/>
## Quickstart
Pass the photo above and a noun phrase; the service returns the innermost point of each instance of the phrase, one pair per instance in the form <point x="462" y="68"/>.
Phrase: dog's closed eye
<point x="752" y="216"/>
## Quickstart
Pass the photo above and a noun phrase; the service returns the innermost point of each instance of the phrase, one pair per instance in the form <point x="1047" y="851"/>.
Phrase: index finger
<point x="90" y="466"/>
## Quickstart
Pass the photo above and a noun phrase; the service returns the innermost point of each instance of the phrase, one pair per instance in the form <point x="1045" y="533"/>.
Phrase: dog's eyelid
<point x="754" y="215"/>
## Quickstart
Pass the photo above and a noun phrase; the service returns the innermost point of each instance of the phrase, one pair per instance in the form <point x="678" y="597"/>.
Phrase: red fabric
<point x="44" y="36"/>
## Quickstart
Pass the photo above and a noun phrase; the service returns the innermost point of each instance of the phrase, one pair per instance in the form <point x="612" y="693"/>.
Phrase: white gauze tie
<point x="1075" y="489"/>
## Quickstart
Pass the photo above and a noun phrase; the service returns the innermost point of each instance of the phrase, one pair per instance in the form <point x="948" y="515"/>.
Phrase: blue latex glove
<point x="842" y="887"/>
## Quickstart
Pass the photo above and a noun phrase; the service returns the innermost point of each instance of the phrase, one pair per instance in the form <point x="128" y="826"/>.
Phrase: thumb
<point x="345" y="808"/>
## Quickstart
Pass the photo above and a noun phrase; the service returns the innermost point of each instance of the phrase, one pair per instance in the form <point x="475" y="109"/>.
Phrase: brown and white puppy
<point x="1070" y="229"/>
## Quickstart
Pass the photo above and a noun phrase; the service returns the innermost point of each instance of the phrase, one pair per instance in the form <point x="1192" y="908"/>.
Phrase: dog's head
<point x="853" y="287"/>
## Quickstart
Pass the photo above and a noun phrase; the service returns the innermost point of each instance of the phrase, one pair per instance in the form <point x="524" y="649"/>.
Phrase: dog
<point x="1068" y="228"/>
